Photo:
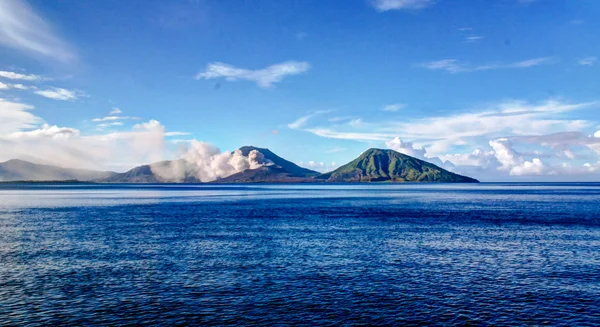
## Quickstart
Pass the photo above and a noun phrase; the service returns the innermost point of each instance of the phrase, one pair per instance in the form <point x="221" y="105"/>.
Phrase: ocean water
<point x="301" y="255"/>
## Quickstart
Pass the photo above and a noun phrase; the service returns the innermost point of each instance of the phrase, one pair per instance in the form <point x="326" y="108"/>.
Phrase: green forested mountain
<point x="377" y="165"/>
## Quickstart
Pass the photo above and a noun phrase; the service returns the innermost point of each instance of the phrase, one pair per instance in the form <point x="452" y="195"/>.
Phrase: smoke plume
<point x="206" y="163"/>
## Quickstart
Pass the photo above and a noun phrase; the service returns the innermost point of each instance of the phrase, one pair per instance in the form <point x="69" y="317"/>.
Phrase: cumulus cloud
<point x="58" y="93"/>
<point x="506" y="156"/>
<point x="21" y="28"/>
<point x="408" y="148"/>
<point x="533" y="167"/>
<point x="385" y="5"/>
<point x="319" y="166"/>
<point x="264" y="78"/>
<point x="455" y="66"/>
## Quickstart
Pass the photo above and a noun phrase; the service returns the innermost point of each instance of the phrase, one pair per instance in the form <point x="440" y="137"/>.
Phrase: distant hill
<point x="150" y="173"/>
<point x="377" y="165"/>
<point x="20" y="170"/>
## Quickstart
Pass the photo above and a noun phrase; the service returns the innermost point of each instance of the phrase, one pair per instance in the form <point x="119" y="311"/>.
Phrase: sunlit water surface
<point x="488" y="254"/>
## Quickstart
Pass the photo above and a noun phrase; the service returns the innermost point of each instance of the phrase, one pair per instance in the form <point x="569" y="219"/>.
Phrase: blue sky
<point x="499" y="89"/>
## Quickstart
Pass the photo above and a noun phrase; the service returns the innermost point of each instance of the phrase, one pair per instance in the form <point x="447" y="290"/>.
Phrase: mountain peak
<point x="376" y="165"/>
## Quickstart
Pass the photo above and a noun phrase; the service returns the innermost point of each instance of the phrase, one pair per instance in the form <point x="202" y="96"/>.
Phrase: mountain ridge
<point x="373" y="165"/>
<point x="21" y="170"/>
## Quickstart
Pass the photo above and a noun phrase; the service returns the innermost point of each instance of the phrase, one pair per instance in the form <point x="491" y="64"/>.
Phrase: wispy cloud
<point x="385" y="5"/>
<point x="473" y="38"/>
<point x="441" y="132"/>
<point x="587" y="61"/>
<point x="393" y="107"/>
<point x="23" y="29"/>
<point x="532" y="62"/>
<point x="300" y="122"/>
<point x="264" y="78"/>
<point x="455" y="66"/>
<point x="105" y="125"/>
<point x="115" y="111"/>
<point x="6" y="86"/>
<point x="176" y="133"/>
<point x="113" y="118"/>
<point x="19" y="76"/>
<point x="15" y="116"/>
<point x="58" y="93"/>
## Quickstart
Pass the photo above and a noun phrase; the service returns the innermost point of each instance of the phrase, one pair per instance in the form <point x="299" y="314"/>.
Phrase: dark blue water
<point x="486" y="255"/>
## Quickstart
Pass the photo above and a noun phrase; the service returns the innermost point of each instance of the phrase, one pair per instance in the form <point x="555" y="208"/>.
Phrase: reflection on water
<point x="487" y="254"/>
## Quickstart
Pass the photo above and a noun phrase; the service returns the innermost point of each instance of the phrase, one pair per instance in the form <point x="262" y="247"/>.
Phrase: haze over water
<point x="385" y="254"/>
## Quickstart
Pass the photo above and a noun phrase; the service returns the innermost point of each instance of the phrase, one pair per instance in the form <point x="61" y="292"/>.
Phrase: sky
<point x="501" y="90"/>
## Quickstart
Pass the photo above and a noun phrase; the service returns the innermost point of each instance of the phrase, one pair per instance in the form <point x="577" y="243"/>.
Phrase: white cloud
<point x="18" y="76"/>
<point x="22" y="29"/>
<point x="115" y="111"/>
<point x="385" y="5"/>
<point x="57" y="93"/>
<point x="588" y="61"/>
<point x="334" y="150"/>
<point x="454" y="66"/>
<point x="506" y="156"/>
<point x="67" y="147"/>
<point x="176" y="133"/>
<point x="152" y="123"/>
<point x="406" y="147"/>
<point x="45" y="131"/>
<point x="113" y="118"/>
<point x="300" y="122"/>
<point x="15" y="116"/>
<point x="513" y="117"/>
<point x="105" y="125"/>
<point x="482" y="142"/>
<point x="264" y="78"/>
<point x="357" y="136"/>
<point x="533" y="167"/>
<point x="473" y="38"/>
<point x="107" y="118"/>
<point x="393" y="107"/>
<point x="319" y="166"/>
<point x="5" y="86"/>
<point x="532" y="62"/>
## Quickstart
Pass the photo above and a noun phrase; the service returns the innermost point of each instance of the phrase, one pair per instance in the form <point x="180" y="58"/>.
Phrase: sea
<point x="487" y="254"/>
